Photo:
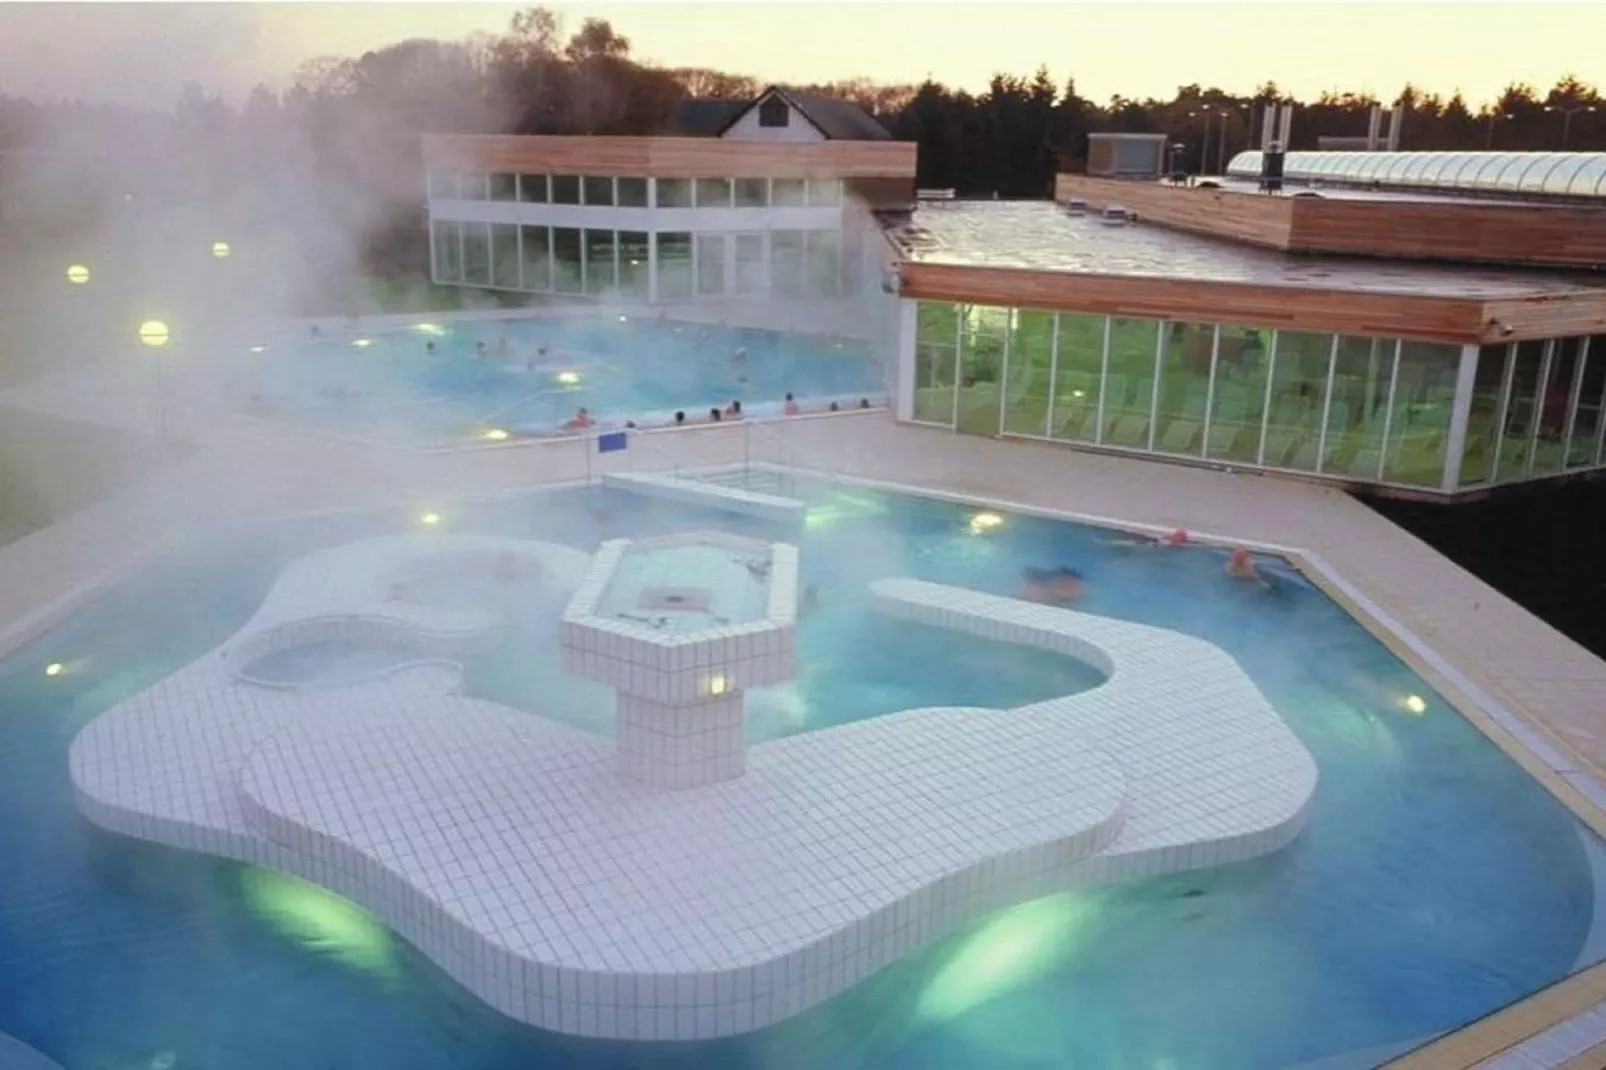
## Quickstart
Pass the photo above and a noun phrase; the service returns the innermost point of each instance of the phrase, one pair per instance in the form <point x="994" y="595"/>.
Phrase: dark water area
<point x="1540" y="546"/>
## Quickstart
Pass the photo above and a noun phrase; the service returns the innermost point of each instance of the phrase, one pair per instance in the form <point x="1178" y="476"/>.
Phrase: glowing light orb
<point x="568" y="378"/>
<point x="623" y="318"/>
<point x="259" y="349"/>
<point x="1416" y="704"/>
<point x="154" y="333"/>
<point x="363" y="343"/>
<point x="220" y="249"/>
<point x="716" y="685"/>
<point x="429" y="328"/>
<point x="495" y="434"/>
<point x="78" y="274"/>
<point x="1078" y="393"/>
<point x="985" y="522"/>
<point x="54" y="668"/>
<point x="429" y="518"/>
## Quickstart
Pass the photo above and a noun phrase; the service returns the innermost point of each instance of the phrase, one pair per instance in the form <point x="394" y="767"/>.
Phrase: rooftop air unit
<point x="1076" y="206"/>
<point x="1271" y="168"/>
<point x="1113" y="215"/>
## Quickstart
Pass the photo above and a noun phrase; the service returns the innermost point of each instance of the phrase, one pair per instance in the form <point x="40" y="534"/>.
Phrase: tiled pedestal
<point x="680" y="746"/>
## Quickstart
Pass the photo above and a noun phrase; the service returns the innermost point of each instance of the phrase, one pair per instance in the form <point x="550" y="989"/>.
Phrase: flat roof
<point x="1042" y="236"/>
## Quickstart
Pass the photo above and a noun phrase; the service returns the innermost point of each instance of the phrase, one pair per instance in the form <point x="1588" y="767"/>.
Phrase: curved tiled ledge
<point x="15" y="1055"/>
<point x="508" y="851"/>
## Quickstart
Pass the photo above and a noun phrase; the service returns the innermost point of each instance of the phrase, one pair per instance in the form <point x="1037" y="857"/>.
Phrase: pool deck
<point x="1498" y="651"/>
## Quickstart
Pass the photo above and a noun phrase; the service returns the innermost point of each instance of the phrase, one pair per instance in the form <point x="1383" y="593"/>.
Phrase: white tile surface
<point x="509" y="850"/>
<point x="773" y="507"/>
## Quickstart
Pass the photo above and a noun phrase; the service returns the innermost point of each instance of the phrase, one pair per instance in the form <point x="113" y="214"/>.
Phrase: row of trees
<point x="348" y="127"/>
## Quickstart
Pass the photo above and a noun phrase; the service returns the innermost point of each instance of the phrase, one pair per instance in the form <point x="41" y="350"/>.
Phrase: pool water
<point x="1434" y="884"/>
<point x="388" y="383"/>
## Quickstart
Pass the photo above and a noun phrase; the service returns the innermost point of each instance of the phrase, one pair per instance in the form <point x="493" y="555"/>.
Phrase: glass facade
<point x="1361" y="409"/>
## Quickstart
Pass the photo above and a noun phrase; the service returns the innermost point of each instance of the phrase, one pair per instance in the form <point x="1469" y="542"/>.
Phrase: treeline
<point x="352" y="125"/>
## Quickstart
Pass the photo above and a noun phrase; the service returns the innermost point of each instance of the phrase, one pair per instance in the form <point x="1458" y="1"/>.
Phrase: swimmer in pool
<point x="1172" y="540"/>
<point x="733" y="411"/>
<point x="479" y="348"/>
<point x="429" y="347"/>
<point x="579" y="421"/>
<point x="790" y="408"/>
<point x="1051" y="586"/>
<point x="1240" y="566"/>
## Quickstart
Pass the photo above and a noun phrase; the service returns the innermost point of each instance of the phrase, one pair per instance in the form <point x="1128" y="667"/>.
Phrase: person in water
<point x="1171" y="540"/>
<point x="680" y="417"/>
<point x="733" y="411"/>
<point x="429" y="347"/>
<point x="479" y="348"/>
<point x="835" y="407"/>
<point x="864" y="403"/>
<point x="790" y="408"/>
<point x="1241" y="566"/>
<point x="1051" y="586"/>
<point x="579" y="421"/>
<point x="714" y="414"/>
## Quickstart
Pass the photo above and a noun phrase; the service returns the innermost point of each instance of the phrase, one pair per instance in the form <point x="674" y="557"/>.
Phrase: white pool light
<point x="221" y="250"/>
<point x="568" y="378"/>
<point x="259" y="349"/>
<point x="77" y="274"/>
<point x="623" y="317"/>
<point x="495" y="434"/>
<point x="429" y="518"/>
<point x="1416" y="704"/>
<point x="716" y="684"/>
<point x="985" y="522"/>
<point x="363" y="343"/>
<point x="54" y="668"/>
<point x="154" y="333"/>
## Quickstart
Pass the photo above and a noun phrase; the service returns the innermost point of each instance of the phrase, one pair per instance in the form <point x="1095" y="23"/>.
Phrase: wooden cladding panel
<point x="1264" y="221"/>
<point x="1471" y="231"/>
<point x="1496" y="233"/>
<point x="1544" y="316"/>
<point x="673" y="157"/>
<point x="1391" y="315"/>
<point x="882" y="192"/>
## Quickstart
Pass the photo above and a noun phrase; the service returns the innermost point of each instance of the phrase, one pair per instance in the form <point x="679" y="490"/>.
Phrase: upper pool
<point x="1435" y="882"/>
<point x="488" y="379"/>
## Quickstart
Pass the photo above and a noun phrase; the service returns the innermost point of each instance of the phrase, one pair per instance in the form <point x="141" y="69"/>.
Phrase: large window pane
<point x="713" y="192"/>
<point x="597" y="190"/>
<point x="824" y="192"/>
<point x="473" y="187"/>
<point x="504" y="187"/>
<point x="1238" y="395"/>
<point x="1521" y="411"/>
<point x="599" y="262"/>
<point x="981" y="365"/>
<point x="787" y="193"/>
<point x="786" y="263"/>
<point x="1586" y="424"/>
<point x="1483" y="416"/>
<point x="1298" y="382"/>
<point x="752" y="193"/>
<point x="673" y="192"/>
<point x="448" y="253"/>
<point x="752" y="269"/>
<point x="1359" y="406"/>
<point x="1026" y="380"/>
<point x="505" y="256"/>
<point x="532" y="188"/>
<point x="633" y="263"/>
<point x="710" y="265"/>
<point x="565" y="189"/>
<point x="632" y="192"/>
<point x="537" y="252"/>
<point x="936" y="362"/>
<point x="566" y="261"/>
<point x="1419" y="426"/>
<point x="1129" y="386"/>
<point x="1077" y="376"/>
<point x="1551" y="449"/>
<point x="442" y="184"/>
<point x="1184" y="388"/>
<point x="674" y="266"/>
<point x="477" y="254"/>
<point x="823" y="267"/>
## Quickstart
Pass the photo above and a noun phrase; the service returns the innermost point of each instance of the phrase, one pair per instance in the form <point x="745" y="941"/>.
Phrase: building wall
<point x="797" y="128"/>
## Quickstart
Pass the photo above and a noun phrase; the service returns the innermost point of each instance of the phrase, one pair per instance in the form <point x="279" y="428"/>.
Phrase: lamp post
<point x="1567" y="119"/>
<point x="1204" y="142"/>
<point x="1493" y="119"/>
<point x="154" y="334"/>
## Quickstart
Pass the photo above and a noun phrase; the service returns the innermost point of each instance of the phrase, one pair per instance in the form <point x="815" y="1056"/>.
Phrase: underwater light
<point x="623" y="317"/>
<point x="495" y="434"/>
<point x="54" y="668"/>
<point x="154" y="333"/>
<point x="985" y="522"/>
<point x="1416" y="704"/>
<point x="429" y="518"/>
<point x="78" y="274"/>
<point x="568" y="378"/>
<point x="1012" y="949"/>
<point x="716" y="685"/>
<point x="320" y="921"/>
<point x="220" y="249"/>
<point x="363" y="343"/>
<point x="429" y="328"/>
<point x="1078" y="393"/>
<point x="259" y="349"/>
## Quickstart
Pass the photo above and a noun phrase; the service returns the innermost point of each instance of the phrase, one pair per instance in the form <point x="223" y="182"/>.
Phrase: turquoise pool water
<point x="1435" y="882"/>
<point x="452" y="382"/>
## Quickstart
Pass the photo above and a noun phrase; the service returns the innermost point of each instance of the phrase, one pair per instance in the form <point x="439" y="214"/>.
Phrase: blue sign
<point x="612" y="442"/>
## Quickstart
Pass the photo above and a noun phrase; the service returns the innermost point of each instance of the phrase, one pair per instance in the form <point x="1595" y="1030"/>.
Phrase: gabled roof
<point x="703" y="116"/>
<point x="838" y="120"/>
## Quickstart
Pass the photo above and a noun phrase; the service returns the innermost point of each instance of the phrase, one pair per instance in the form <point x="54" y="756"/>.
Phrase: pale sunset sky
<point x="142" y="53"/>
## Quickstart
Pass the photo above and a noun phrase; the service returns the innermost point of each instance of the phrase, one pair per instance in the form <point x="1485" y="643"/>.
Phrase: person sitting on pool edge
<point x="790" y="408"/>
<point x="1051" y="586"/>
<point x="714" y="414"/>
<point x="733" y="411"/>
<point x="864" y="403"/>
<point x="680" y="417"/>
<point x="579" y="421"/>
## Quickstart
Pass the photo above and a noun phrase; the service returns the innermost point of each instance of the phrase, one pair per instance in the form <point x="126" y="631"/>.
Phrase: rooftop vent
<point x="1113" y="215"/>
<point x="1076" y="206"/>
<point x="934" y="194"/>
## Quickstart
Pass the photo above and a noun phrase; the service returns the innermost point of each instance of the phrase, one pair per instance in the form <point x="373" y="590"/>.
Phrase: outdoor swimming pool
<point x="489" y="379"/>
<point x="1434" y="883"/>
